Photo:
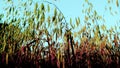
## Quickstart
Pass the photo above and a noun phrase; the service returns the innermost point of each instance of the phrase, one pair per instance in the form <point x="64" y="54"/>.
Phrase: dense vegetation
<point x="32" y="38"/>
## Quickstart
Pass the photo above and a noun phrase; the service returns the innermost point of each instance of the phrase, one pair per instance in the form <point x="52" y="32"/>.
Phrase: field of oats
<point x="37" y="35"/>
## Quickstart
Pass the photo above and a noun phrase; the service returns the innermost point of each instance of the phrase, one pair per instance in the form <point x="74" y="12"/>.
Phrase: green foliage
<point x="77" y="21"/>
<point x="42" y="7"/>
<point x="48" y="7"/>
<point x="23" y="27"/>
<point x="37" y="27"/>
<point x="117" y="3"/>
<point x="73" y="26"/>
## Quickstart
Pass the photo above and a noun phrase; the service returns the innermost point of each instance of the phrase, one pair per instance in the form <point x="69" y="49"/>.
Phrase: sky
<point x="73" y="8"/>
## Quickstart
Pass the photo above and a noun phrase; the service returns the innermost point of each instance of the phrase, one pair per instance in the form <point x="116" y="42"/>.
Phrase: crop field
<point x="38" y="35"/>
